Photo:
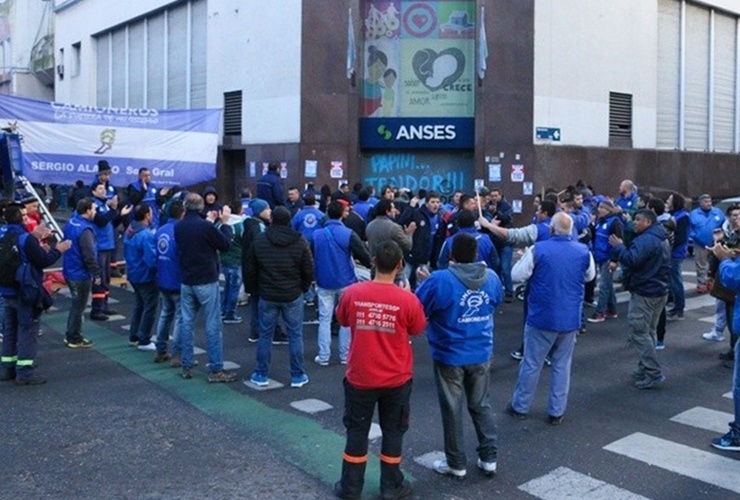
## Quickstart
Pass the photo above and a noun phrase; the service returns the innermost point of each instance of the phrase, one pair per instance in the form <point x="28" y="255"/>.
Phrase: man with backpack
<point x="22" y="307"/>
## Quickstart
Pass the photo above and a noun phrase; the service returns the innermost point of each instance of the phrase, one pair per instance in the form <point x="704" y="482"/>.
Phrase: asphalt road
<point x="112" y="424"/>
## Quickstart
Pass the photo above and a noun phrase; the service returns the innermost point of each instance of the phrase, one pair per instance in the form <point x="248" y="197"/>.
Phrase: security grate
<point x="620" y="115"/>
<point x="233" y="113"/>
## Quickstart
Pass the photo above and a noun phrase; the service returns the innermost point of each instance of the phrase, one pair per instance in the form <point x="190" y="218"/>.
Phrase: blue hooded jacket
<point x="140" y="252"/>
<point x="649" y="260"/>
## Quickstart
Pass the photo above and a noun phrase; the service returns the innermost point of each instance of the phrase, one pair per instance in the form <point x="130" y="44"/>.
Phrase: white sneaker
<point x="441" y="467"/>
<point x="714" y="336"/>
<point x="487" y="467"/>
<point x="148" y="347"/>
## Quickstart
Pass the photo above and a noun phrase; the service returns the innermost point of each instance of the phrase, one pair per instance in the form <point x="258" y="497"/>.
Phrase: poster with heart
<point x="419" y="59"/>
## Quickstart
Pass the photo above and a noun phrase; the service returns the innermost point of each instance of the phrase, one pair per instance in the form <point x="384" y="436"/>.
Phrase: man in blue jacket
<point x="269" y="187"/>
<point x="141" y="268"/>
<point x="648" y="259"/>
<point x="729" y="276"/>
<point x="680" y="250"/>
<point x="80" y="269"/>
<point x="555" y="264"/>
<point x="704" y="219"/>
<point x="169" y="280"/>
<point x="334" y="247"/>
<point x="486" y="249"/>
<point x="20" y="340"/>
<point x="143" y="192"/>
<point x="429" y="236"/>
<point x="608" y="223"/>
<point x="460" y="303"/>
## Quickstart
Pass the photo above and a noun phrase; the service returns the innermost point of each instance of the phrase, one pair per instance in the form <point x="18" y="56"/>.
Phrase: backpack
<point x="10" y="259"/>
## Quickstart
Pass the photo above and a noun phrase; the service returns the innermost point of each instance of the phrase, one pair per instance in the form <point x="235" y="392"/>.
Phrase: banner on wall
<point x="419" y="59"/>
<point x="62" y="143"/>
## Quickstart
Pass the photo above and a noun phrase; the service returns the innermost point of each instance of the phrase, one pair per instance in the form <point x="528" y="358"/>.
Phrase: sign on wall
<point x="62" y="143"/>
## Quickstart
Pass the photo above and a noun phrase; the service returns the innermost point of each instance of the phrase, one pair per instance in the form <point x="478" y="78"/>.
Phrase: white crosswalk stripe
<point x="705" y="418"/>
<point x="567" y="483"/>
<point x="702" y="465"/>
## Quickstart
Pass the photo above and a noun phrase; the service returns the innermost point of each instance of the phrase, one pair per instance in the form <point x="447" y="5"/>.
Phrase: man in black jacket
<point x="281" y="264"/>
<point x="429" y="236"/>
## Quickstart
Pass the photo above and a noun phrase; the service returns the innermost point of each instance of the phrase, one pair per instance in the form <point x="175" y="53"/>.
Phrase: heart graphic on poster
<point x="435" y="70"/>
<point x="419" y="20"/>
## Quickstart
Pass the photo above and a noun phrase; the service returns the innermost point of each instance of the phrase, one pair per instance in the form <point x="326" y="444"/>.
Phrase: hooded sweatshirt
<point x="281" y="264"/>
<point x="207" y="207"/>
<point x="139" y="249"/>
<point x="459" y="303"/>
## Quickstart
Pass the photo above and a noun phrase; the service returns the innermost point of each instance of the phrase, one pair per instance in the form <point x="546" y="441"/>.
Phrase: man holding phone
<point x="706" y="228"/>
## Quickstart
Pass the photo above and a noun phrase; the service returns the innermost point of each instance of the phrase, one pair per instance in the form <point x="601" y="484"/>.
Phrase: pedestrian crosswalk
<point x="705" y="465"/>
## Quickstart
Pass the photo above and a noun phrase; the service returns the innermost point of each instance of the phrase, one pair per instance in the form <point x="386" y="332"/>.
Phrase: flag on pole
<point x="350" y="46"/>
<point x="482" y="45"/>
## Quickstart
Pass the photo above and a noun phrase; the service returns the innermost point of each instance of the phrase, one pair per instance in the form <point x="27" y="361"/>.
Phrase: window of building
<point x="620" y="119"/>
<point x="158" y="61"/>
<point x="74" y="70"/>
<point x="233" y="113"/>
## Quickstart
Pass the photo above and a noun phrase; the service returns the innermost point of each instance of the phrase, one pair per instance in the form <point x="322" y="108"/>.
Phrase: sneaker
<point x="552" y="420"/>
<point x="161" y="357"/>
<point x="321" y="362"/>
<point x="511" y="411"/>
<point x="80" y="343"/>
<point x="611" y="315"/>
<point x="147" y="347"/>
<point x="517" y="355"/>
<point x="7" y="374"/>
<point x="659" y="346"/>
<point x="221" y="376"/>
<point x="133" y="342"/>
<point x="259" y="380"/>
<point x="185" y="373"/>
<point x="488" y="468"/>
<point x="728" y="442"/>
<point x="638" y="375"/>
<point x="442" y="467"/>
<point x="596" y="318"/>
<point x="674" y="316"/>
<point x="713" y="336"/>
<point x="110" y="312"/>
<point x="253" y="337"/>
<point x="232" y="320"/>
<point x="340" y="493"/>
<point x="31" y="380"/>
<point x="650" y="382"/>
<point x="175" y="362"/>
<point x="280" y="339"/>
<point x="299" y="380"/>
<point x="403" y="491"/>
<point x="98" y="316"/>
<point x="342" y="361"/>
<point x="701" y="289"/>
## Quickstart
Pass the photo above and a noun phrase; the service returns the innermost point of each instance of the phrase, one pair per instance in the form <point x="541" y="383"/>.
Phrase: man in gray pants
<point x="649" y="260"/>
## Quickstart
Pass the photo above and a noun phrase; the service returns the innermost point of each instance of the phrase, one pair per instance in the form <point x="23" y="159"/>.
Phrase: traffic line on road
<point x="311" y="405"/>
<point x="704" y="418"/>
<point x="299" y="439"/>
<point x="566" y="483"/>
<point x="701" y="465"/>
<point x="727" y="395"/>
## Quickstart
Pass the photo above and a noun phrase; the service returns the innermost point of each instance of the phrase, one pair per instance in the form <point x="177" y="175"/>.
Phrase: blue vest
<point x="308" y="221"/>
<point x="543" y="229"/>
<point x="169" y="276"/>
<point x="556" y="286"/>
<point x="333" y="257"/>
<point x="681" y="251"/>
<point x="602" y="249"/>
<point x="105" y="237"/>
<point x="150" y="199"/>
<point x="73" y="263"/>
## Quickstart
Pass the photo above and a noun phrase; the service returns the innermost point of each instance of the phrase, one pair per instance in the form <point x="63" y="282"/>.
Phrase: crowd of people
<point x="440" y="266"/>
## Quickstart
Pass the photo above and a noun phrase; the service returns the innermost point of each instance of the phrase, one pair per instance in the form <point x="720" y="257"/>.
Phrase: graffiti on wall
<point x="443" y="173"/>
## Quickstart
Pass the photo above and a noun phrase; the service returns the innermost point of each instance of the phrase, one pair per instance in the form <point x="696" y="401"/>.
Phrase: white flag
<point x="482" y="45"/>
<point x="350" y="46"/>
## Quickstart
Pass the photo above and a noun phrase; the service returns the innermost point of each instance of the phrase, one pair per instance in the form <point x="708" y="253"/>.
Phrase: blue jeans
<point x="676" y="281"/>
<point x="505" y="255"/>
<point x="145" y="307"/>
<point x="735" y="426"/>
<point x="80" y="292"/>
<point x="537" y="344"/>
<point x="169" y="316"/>
<point x="327" y="300"/>
<point x="193" y="298"/>
<point x="233" y="277"/>
<point x="720" y="320"/>
<point x="455" y="386"/>
<point x="292" y="314"/>
<point x="607" y="298"/>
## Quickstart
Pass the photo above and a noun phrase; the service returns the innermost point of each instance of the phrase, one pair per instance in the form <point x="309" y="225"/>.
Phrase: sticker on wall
<point x="501" y="155"/>
<point x="311" y="168"/>
<point x="265" y="165"/>
<point x="527" y="188"/>
<point x="516" y="206"/>
<point x="337" y="170"/>
<point x="517" y="173"/>
<point x="517" y="157"/>
<point x="252" y="169"/>
<point x="283" y="170"/>
<point x="494" y="172"/>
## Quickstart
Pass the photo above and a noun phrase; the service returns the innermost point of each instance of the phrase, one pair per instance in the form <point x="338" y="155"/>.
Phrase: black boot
<point x="352" y="482"/>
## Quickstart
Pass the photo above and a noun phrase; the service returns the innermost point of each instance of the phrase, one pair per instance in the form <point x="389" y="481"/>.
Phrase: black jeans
<point x="393" y="412"/>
